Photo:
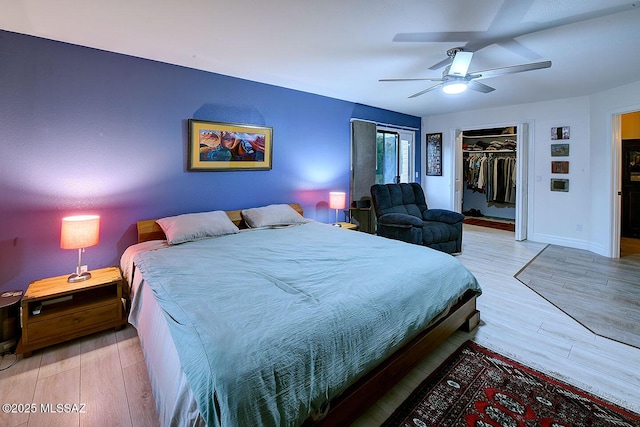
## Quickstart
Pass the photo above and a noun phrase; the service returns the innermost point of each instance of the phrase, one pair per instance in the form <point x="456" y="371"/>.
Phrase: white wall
<point x="605" y="154"/>
<point x="554" y="217"/>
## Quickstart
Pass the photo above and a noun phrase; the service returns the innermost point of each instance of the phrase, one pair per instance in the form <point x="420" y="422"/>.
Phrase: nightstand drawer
<point x="71" y="323"/>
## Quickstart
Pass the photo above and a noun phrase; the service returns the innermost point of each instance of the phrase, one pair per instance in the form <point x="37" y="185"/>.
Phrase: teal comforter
<point x="270" y="324"/>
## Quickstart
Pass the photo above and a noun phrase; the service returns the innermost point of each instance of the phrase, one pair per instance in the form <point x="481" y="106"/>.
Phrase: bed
<point x="287" y="322"/>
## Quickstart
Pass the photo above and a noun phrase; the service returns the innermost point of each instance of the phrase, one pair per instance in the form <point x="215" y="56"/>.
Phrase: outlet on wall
<point x="578" y="227"/>
<point x="83" y="269"/>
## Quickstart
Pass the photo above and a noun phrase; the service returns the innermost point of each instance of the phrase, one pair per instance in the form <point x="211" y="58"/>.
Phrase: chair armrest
<point x="400" y="220"/>
<point x="442" y="215"/>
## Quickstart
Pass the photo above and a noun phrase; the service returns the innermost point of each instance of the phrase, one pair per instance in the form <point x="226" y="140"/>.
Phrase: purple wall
<point x="88" y="131"/>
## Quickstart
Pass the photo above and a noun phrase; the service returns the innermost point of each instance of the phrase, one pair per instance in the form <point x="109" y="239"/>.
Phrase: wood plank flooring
<point x="106" y="371"/>
<point x="629" y="247"/>
<point x="601" y="293"/>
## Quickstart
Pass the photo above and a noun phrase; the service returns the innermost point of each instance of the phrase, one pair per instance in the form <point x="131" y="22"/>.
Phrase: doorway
<point x="629" y="184"/>
<point x="394" y="156"/>
<point x="513" y="151"/>
<point x="378" y="152"/>
<point x="630" y="188"/>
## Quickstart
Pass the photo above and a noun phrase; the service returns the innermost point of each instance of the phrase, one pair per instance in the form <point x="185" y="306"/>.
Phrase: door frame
<point x="524" y="146"/>
<point x="615" y="228"/>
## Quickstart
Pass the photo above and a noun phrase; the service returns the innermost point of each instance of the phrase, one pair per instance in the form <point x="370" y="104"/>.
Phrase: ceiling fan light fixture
<point x="455" y="87"/>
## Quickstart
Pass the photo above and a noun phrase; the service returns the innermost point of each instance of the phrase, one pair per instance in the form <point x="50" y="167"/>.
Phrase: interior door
<point x="631" y="188"/>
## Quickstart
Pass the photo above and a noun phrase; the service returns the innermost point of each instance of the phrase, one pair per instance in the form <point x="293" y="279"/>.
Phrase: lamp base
<point x="79" y="277"/>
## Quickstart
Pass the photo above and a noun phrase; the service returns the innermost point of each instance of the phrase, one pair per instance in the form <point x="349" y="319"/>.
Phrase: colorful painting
<point x="216" y="146"/>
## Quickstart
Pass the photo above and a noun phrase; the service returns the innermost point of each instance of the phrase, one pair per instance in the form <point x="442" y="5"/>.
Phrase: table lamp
<point x="337" y="201"/>
<point x="79" y="232"/>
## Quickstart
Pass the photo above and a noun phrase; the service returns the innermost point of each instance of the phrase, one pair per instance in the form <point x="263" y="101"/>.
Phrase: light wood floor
<point x="629" y="247"/>
<point x="601" y="293"/>
<point x="106" y="371"/>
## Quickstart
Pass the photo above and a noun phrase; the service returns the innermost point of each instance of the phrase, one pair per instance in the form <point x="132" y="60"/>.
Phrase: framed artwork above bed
<point x="217" y="146"/>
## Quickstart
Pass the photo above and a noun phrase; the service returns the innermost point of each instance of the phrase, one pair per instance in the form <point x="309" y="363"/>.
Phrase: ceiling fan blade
<point x="518" y="48"/>
<point x="443" y="36"/>
<point x="422" y="92"/>
<point x="510" y="70"/>
<point x="460" y="64"/>
<point x="411" y="79"/>
<point x="479" y="87"/>
<point x="440" y="64"/>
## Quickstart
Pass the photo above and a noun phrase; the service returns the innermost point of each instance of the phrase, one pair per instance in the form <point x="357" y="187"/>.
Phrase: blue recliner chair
<point x="402" y="214"/>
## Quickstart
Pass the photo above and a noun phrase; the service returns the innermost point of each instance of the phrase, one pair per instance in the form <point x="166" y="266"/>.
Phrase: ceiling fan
<point x="455" y="78"/>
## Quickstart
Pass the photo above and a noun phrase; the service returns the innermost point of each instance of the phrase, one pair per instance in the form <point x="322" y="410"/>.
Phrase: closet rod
<point x="489" y="151"/>
<point x="504" y="135"/>
<point x="386" y="124"/>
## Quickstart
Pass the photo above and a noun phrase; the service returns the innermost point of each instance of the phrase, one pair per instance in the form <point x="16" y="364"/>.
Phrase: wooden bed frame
<point x="347" y="407"/>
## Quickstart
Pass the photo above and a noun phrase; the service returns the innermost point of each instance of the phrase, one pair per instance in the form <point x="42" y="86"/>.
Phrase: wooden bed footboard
<point x="365" y="392"/>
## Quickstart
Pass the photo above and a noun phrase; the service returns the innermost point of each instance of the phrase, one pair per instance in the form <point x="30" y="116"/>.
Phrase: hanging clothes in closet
<point x="493" y="174"/>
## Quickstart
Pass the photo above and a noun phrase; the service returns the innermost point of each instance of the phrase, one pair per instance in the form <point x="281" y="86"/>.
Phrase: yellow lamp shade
<point x="79" y="231"/>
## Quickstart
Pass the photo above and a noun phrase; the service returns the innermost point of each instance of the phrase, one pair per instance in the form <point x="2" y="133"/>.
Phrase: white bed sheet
<point x="174" y="401"/>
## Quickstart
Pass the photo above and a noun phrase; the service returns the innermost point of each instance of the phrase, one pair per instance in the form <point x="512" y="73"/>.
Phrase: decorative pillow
<point x="272" y="215"/>
<point x="188" y="227"/>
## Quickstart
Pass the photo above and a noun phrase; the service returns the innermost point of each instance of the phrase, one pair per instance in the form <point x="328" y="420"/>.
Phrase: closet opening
<point x="489" y="177"/>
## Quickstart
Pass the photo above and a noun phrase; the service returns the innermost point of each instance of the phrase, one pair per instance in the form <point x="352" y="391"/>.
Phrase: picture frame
<point x="434" y="154"/>
<point x="560" y="185"/>
<point x="559" y="150"/>
<point x="559" y="167"/>
<point x="560" y="132"/>
<point x="220" y="146"/>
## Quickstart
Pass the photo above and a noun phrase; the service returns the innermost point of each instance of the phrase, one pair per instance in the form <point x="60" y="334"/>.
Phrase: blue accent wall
<point x="88" y="131"/>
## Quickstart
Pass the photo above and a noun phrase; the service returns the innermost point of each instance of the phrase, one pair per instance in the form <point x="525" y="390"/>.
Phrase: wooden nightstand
<point x="54" y="310"/>
<point x="348" y="225"/>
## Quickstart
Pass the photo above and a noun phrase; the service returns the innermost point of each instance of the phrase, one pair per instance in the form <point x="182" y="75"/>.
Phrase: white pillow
<point x="188" y="227"/>
<point x="272" y="215"/>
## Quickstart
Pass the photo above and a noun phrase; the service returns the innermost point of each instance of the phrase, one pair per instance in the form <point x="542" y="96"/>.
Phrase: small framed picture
<point x="561" y="132"/>
<point x="559" y="185"/>
<point x="559" y="167"/>
<point x="559" y="150"/>
<point x="434" y="154"/>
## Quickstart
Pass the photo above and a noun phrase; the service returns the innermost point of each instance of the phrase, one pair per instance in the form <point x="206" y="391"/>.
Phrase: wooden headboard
<point x="149" y="229"/>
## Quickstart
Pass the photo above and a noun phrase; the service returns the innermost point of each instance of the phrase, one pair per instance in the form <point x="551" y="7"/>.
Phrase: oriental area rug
<point x="476" y="387"/>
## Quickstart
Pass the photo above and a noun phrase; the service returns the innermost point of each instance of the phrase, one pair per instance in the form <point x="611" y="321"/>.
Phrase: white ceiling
<point x="340" y="48"/>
